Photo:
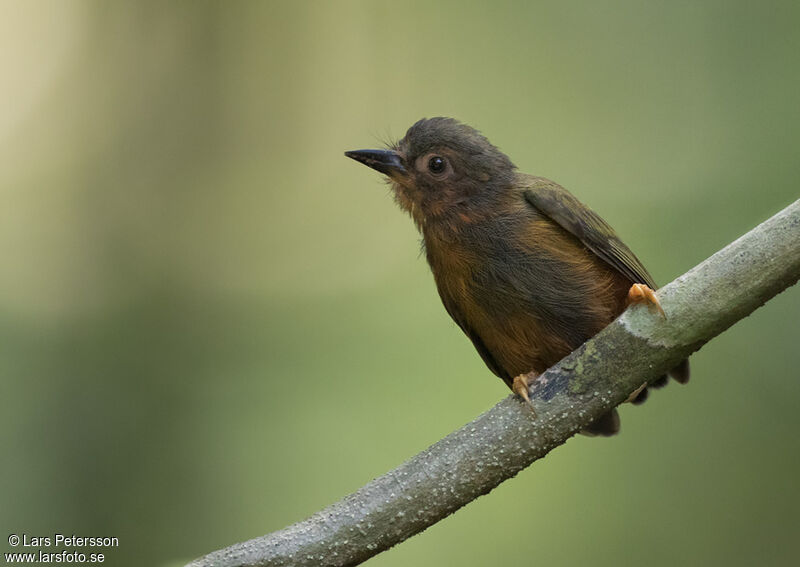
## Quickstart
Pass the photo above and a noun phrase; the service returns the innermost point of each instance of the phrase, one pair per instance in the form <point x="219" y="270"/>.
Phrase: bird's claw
<point x="520" y="387"/>
<point x="636" y="393"/>
<point x="640" y="293"/>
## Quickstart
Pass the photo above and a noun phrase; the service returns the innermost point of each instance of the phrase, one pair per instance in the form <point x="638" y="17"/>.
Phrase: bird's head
<point x="441" y="168"/>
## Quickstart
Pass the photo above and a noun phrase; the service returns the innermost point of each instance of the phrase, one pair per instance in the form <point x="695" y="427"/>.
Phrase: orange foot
<point x="640" y="293"/>
<point x="520" y="386"/>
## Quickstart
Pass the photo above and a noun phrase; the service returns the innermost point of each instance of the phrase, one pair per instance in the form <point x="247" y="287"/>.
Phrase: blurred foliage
<point x="212" y="324"/>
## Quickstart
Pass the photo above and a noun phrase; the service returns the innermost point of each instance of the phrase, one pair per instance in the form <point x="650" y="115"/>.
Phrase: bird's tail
<point x="605" y="426"/>
<point x="608" y="424"/>
<point x="680" y="373"/>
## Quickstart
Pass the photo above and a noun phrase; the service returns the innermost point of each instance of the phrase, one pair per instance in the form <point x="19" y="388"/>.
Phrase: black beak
<point x="385" y="161"/>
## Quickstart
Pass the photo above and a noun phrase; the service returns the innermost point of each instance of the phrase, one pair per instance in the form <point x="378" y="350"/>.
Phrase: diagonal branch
<point x="498" y="444"/>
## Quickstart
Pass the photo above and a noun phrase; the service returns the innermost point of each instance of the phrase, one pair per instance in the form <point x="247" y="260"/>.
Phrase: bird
<point x="525" y="269"/>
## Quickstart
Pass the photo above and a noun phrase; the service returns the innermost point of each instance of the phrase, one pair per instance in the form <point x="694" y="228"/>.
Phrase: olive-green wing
<point x="455" y="312"/>
<point x="561" y="206"/>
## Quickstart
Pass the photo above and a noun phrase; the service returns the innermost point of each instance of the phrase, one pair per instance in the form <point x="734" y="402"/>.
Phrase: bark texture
<point x="599" y="375"/>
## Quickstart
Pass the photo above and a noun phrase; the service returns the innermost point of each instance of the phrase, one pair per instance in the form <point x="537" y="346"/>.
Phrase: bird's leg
<point x="521" y="383"/>
<point x="640" y="293"/>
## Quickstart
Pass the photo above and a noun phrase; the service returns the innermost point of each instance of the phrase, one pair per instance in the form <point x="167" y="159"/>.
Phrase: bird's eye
<point x="436" y="164"/>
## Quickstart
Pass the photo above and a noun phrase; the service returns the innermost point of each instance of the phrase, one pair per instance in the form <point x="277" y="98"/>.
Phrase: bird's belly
<point x="521" y="342"/>
<point x="530" y="300"/>
<point x="533" y="311"/>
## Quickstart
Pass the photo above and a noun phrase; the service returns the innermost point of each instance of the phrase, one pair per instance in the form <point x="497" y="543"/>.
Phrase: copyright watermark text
<point x="58" y="548"/>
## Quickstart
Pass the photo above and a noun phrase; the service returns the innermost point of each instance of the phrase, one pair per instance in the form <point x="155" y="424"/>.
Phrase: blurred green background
<point x="212" y="324"/>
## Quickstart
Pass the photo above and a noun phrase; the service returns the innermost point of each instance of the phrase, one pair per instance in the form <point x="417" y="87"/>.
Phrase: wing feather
<point x="480" y="346"/>
<point x="561" y="206"/>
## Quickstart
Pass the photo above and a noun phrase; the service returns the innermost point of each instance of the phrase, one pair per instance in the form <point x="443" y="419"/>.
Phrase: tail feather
<point x="609" y="424"/>
<point x="659" y="382"/>
<point x="606" y="425"/>
<point x="641" y="397"/>
<point x="681" y="372"/>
